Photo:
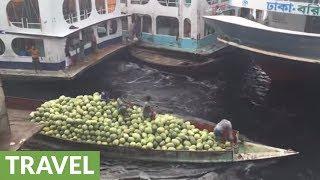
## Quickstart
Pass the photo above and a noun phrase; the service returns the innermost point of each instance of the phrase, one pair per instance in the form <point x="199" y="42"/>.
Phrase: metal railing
<point x="102" y="11"/>
<point x="172" y="3"/>
<point x="71" y="18"/>
<point x="139" y="1"/>
<point x="26" y="23"/>
<point x="84" y="14"/>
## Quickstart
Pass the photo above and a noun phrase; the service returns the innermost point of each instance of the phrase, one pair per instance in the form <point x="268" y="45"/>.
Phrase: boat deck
<point x="66" y="74"/>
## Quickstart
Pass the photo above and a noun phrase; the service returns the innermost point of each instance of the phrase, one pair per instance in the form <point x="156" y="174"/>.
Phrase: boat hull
<point x="282" y="54"/>
<point x="280" y="69"/>
<point x="187" y="63"/>
<point x="244" y="151"/>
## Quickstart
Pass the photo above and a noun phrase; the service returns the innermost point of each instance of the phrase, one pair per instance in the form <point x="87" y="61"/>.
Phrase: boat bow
<point x="258" y="38"/>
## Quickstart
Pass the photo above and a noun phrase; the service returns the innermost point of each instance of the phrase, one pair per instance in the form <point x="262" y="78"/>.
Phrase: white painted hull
<point x="258" y="38"/>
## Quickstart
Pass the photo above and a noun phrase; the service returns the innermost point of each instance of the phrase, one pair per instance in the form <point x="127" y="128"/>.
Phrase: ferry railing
<point x="102" y="11"/>
<point x="84" y="14"/>
<point x="139" y="1"/>
<point x="27" y="23"/>
<point x="163" y="2"/>
<point x="135" y="2"/>
<point x="172" y="3"/>
<point x="71" y="18"/>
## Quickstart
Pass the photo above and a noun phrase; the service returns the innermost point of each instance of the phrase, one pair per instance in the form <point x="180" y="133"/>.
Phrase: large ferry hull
<point x="282" y="54"/>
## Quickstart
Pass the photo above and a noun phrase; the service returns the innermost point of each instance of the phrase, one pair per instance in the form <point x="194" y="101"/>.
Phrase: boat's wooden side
<point x="175" y="62"/>
<point x="120" y="152"/>
<point x="245" y="151"/>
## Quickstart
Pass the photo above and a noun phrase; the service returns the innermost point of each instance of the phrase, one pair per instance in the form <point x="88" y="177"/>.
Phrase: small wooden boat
<point x="244" y="151"/>
<point x="182" y="62"/>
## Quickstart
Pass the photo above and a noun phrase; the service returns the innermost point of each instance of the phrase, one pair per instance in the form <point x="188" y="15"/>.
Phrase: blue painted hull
<point x="206" y="45"/>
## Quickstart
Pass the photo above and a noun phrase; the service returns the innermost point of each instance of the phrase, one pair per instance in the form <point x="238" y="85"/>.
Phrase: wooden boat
<point x="183" y="62"/>
<point x="244" y="151"/>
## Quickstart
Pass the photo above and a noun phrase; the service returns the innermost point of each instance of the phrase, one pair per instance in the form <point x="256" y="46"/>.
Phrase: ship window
<point x="69" y="11"/>
<point x="111" y="6"/>
<point x="24" y="13"/>
<point x="172" y="3"/>
<point x="101" y="6"/>
<point x="147" y="24"/>
<point x="139" y="1"/>
<point x="102" y="29"/>
<point x="167" y="26"/>
<point x="2" y="47"/>
<point x="187" y="28"/>
<point x="85" y="9"/>
<point x="22" y="46"/>
<point x="187" y="3"/>
<point x="113" y="26"/>
<point x="208" y="30"/>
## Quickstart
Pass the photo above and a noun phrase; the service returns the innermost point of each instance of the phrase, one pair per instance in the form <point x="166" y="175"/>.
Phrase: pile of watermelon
<point x="89" y="119"/>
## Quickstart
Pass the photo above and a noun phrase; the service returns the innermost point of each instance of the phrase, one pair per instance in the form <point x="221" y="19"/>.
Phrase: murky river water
<point x="279" y="115"/>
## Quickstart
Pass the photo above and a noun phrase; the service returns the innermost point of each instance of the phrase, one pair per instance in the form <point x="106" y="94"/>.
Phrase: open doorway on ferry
<point x="146" y="24"/>
<point x="89" y="41"/>
<point x="168" y="26"/>
<point x="72" y="48"/>
<point x="136" y="21"/>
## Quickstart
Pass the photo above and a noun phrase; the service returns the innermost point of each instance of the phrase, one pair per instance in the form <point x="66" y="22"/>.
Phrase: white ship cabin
<point x="57" y="28"/>
<point x="172" y="24"/>
<point x="304" y="21"/>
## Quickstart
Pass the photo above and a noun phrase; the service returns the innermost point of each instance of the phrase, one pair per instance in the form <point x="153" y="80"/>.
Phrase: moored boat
<point x="283" y="42"/>
<point x="182" y="62"/>
<point x="73" y="36"/>
<point x="244" y="151"/>
<point x="174" y="35"/>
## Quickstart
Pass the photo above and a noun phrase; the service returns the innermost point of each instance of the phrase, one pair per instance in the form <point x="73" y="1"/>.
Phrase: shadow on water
<point x="280" y="115"/>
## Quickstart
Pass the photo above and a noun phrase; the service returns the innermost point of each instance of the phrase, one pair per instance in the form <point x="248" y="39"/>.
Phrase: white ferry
<point x="173" y="24"/>
<point x="281" y="36"/>
<point x="173" y="34"/>
<point x="61" y="30"/>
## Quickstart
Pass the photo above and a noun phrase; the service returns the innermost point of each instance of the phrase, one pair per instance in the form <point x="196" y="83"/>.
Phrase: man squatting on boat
<point x="223" y="131"/>
<point x="148" y="111"/>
